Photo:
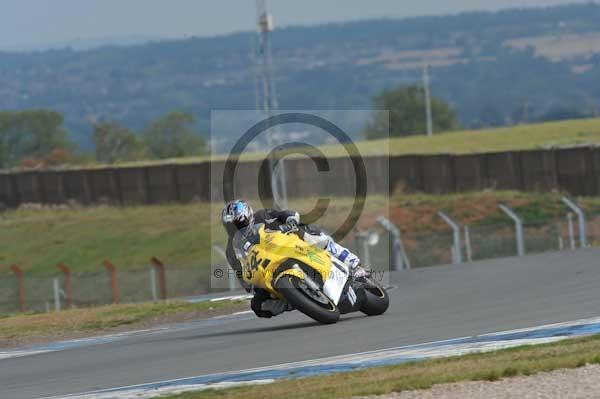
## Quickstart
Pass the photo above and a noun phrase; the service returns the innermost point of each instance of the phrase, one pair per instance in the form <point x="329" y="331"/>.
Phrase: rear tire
<point x="290" y="288"/>
<point x="377" y="300"/>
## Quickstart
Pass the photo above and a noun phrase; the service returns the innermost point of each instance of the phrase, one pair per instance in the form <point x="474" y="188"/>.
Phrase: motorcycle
<point x="307" y="277"/>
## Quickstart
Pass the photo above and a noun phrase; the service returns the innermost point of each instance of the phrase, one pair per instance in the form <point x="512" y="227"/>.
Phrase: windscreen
<point x="244" y="239"/>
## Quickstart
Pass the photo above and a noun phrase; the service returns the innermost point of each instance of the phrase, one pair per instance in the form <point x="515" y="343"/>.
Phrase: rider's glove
<point x="289" y="227"/>
<point x="293" y="220"/>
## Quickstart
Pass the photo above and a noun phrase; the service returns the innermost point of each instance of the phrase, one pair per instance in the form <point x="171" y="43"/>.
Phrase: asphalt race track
<point x="427" y="305"/>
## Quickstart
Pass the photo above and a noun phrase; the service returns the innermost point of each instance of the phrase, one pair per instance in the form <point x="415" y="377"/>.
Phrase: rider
<point x="238" y="214"/>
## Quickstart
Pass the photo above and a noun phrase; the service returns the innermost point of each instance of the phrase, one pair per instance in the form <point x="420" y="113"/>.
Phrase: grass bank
<point x="30" y="328"/>
<point x="493" y="366"/>
<point x="520" y="137"/>
<point x="39" y="238"/>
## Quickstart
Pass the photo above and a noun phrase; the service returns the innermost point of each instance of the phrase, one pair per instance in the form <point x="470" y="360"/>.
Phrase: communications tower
<point x="267" y="96"/>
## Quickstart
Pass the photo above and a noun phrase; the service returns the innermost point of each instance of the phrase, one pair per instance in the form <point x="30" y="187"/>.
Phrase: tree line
<point x="38" y="138"/>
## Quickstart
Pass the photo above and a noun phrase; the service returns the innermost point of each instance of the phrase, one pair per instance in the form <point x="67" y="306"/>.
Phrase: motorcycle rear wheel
<point x="295" y="291"/>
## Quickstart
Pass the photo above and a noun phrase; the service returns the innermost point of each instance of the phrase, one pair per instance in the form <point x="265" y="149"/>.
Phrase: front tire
<point x="293" y="290"/>
<point x="377" y="300"/>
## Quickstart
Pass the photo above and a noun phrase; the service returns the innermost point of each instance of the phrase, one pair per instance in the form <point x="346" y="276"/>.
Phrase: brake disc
<point x="316" y="295"/>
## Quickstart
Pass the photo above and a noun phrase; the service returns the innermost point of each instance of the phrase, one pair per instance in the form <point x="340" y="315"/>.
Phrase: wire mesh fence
<point x="485" y="241"/>
<point x="41" y="293"/>
<point x="429" y="249"/>
<point x="9" y="295"/>
<point x="91" y="289"/>
<point x="378" y="257"/>
<point x="492" y="241"/>
<point x="593" y="231"/>
<point x="477" y="242"/>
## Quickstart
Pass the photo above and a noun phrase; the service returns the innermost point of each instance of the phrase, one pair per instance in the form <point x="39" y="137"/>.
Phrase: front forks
<point x="309" y="281"/>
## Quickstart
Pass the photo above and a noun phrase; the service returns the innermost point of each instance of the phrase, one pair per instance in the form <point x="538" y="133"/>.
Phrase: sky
<point x="41" y="22"/>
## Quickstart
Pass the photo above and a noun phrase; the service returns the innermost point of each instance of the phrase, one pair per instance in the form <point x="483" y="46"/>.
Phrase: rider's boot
<point x="324" y="241"/>
<point x="275" y="306"/>
<point x="349" y="259"/>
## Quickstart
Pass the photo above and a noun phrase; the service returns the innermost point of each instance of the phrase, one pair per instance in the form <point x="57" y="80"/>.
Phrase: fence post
<point x="518" y="228"/>
<point x="153" y="284"/>
<point x="56" y="289"/>
<point x="581" y="217"/>
<point x="162" y="276"/>
<point x="468" y="247"/>
<point x="68" y="288"/>
<point x="457" y="253"/>
<point x="232" y="279"/>
<point x="571" y="231"/>
<point x="399" y="258"/>
<point x="21" y="282"/>
<point x="561" y="243"/>
<point x="114" y="284"/>
<point x="233" y="275"/>
<point x="364" y="248"/>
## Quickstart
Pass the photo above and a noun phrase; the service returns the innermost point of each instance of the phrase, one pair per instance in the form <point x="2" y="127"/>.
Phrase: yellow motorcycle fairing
<point x="275" y="248"/>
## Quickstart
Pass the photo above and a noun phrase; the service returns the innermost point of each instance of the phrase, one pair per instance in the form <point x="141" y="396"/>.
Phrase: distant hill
<point x="494" y="68"/>
<point x="84" y="43"/>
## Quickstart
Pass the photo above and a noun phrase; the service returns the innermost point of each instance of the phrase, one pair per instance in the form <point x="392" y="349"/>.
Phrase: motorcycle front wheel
<point x="312" y="303"/>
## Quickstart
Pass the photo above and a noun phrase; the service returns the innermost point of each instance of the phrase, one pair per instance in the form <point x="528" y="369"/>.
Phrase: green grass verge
<point x="38" y="239"/>
<point x="520" y="137"/>
<point x="25" y="327"/>
<point x="526" y="360"/>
